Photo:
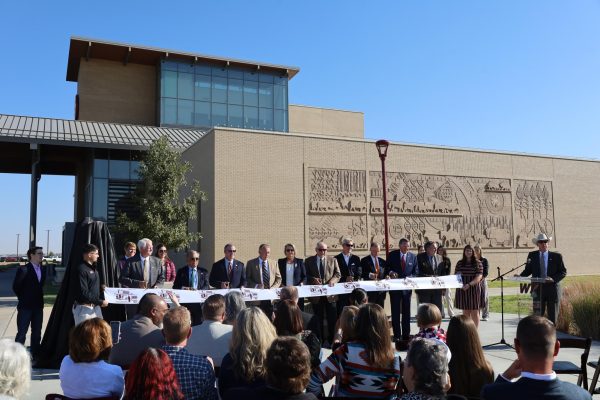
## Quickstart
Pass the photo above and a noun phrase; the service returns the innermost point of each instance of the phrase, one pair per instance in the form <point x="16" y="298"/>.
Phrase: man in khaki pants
<point x="87" y="299"/>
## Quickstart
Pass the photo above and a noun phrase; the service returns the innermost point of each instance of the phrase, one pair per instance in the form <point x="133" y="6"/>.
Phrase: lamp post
<point x="382" y="147"/>
<point x="18" y="235"/>
<point x="47" y="241"/>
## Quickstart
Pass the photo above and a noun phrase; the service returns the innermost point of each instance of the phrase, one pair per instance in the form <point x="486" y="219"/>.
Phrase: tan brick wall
<point x="259" y="189"/>
<point x="112" y="92"/>
<point x="324" y="121"/>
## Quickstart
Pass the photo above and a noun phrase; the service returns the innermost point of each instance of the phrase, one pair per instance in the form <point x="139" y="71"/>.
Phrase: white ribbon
<point x="133" y="296"/>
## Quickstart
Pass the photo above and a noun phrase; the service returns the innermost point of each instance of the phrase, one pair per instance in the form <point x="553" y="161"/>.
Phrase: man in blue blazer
<point x="28" y="285"/>
<point x="536" y="347"/>
<point x="192" y="277"/>
<point x="401" y="264"/>
<point x="228" y="272"/>
<point x="546" y="264"/>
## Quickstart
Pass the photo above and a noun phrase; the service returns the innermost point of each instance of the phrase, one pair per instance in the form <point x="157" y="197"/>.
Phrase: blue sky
<point x="508" y="75"/>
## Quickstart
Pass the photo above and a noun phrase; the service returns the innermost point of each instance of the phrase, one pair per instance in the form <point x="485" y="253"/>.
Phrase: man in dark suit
<point x="142" y="271"/>
<point x="28" y="285"/>
<point x="430" y="264"/>
<point x="324" y="270"/>
<point x="536" y="347"/>
<point x="373" y="269"/>
<point x="228" y="272"/>
<point x="401" y="264"/>
<point x="350" y="270"/>
<point x="546" y="264"/>
<point x="192" y="277"/>
<point x="292" y="269"/>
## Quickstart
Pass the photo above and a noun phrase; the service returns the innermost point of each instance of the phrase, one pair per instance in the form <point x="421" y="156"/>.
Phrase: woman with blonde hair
<point x="366" y="367"/>
<point x="244" y="365"/>
<point x="345" y="327"/>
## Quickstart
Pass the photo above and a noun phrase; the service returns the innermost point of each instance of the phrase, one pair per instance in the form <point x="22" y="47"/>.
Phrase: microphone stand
<point x="501" y="279"/>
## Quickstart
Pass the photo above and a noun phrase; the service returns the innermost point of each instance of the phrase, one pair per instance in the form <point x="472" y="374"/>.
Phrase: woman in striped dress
<point x="468" y="298"/>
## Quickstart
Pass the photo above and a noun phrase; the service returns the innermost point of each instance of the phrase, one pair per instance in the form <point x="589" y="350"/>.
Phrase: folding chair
<point x="594" y="364"/>
<point x="567" y="367"/>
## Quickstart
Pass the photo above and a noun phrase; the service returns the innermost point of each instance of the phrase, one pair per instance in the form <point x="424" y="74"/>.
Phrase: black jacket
<point x="28" y="289"/>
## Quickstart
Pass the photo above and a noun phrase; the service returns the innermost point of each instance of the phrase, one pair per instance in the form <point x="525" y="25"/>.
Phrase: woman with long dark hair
<point x="485" y="305"/>
<point x="468" y="368"/>
<point x="288" y="322"/>
<point x="168" y="265"/>
<point x="367" y="367"/>
<point x="152" y="376"/>
<point x="468" y="298"/>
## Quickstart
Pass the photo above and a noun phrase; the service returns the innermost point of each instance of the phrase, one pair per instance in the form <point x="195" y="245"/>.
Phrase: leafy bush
<point x="580" y="310"/>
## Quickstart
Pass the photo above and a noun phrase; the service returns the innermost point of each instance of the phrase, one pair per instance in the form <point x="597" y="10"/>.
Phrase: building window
<point x="203" y="96"/>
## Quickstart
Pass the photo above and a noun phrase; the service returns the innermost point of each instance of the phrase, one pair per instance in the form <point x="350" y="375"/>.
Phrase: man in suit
<point x="228" y="272"/>
<point x="309" y="321"/>
<point x="536" y="346"/>
<point x="430" y="263"/>
<point x="322" y="269"/>
<point x="546" y="264"/>
<point x="192" y="277"/>
<point x="130" y="251"/>
<point x="263" y="273"/>
<point x="28" y="285"/>
<point x="213" y="336"/>
<point x="401" y="264"/>
<point x="350" y="270"/>
<point x="373" y="269"/>
<point x="142" y="271"/>
<point x="141" y="332"/>
<point x="292" y="269"/>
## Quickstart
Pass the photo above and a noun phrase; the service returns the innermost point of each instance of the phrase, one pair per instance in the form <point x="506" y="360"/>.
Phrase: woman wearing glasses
<point x="168" y="265"/>
<point x="292" y="270"/>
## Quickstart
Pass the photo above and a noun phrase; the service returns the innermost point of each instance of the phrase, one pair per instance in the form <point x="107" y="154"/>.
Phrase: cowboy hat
<point x="541" y="238"/>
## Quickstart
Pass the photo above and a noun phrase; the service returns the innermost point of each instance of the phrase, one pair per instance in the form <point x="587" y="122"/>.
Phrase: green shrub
<point x="580" y="309"/>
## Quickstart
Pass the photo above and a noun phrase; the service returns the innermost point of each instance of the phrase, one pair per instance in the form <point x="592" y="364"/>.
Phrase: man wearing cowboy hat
<point x="546" y="264"/>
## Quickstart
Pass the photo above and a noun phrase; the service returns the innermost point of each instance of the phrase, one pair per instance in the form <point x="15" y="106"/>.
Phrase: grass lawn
<point x="565" y="282"/>
<point x="50" y="292"/>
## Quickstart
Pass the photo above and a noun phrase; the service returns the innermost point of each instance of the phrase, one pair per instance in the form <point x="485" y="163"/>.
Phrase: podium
<point x="534" y="286"/>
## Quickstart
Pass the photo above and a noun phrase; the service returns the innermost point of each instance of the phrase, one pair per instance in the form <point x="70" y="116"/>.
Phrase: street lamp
<point x="18" y="235"/>
<point x="382" y="148"/>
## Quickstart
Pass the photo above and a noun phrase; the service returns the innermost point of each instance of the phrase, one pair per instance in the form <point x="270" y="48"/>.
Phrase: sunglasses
<point x="194" y="258"/>
<point x="321" y="249"/>
<point x="288" y="250"/>
<point x="230" y="251"/>
<point x="349" y="245"/>
<point x="162" y="251"/>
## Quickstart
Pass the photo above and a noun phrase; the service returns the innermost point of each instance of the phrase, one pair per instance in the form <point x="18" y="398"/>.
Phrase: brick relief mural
<point x="453" y="210"/>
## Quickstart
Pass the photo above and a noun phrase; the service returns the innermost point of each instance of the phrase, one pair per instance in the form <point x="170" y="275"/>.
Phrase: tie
<point x="322" y="268"/>
<point x="433" y="265"/>
<point x="542" y="266"/>
<point x="376" y="268"/>
<point x="194" y="279"/>
<point x="403" y="264"/>
<point x="147" y="270"/>
<point x="265" y="275"/>
<point x="229" y="270"/>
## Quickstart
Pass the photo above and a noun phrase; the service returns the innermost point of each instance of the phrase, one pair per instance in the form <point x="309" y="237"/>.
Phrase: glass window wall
<point x="203" y="95"/>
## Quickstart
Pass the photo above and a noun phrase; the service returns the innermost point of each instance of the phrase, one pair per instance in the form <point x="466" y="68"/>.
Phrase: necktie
<point x="403" y="263"/>
<point x="265" y="275"/>
<point x="194" y="279"/>
<point x="376" y="268"/>
<point x="542" y="266"/>
<point x="229" y="270"/>
<point x="322" y="268"/>
<point x="147" y="269"/>
<point x="433" y="265"/>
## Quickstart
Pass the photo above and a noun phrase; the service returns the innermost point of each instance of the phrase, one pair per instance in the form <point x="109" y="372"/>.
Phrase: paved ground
<point x="46" y="381"/>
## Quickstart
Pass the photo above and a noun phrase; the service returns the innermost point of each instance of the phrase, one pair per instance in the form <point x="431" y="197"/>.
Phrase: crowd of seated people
<point x="239" y="351"/>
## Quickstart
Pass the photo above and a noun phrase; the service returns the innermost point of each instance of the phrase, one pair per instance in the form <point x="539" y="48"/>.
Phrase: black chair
<point x="567" y="367"/>
<point x="594" y="364"/>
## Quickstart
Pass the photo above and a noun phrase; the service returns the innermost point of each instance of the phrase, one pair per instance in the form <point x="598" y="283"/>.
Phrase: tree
<point x="163" y="211"/>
